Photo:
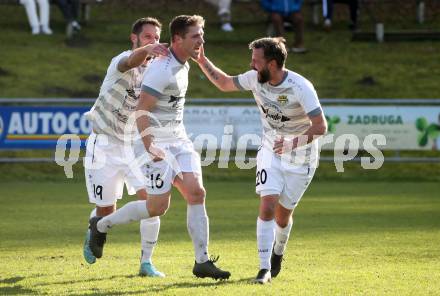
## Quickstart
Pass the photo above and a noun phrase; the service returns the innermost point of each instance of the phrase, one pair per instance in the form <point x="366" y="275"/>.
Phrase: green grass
<point x="48" y="66"/>
<point x="389" y="172"/>
<point x="349" y="238"/>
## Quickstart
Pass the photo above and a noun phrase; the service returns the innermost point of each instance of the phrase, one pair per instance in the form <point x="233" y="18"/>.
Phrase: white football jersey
<point x="284" y="108"/>
<point x="117" y="100"/>
<point x="167" y="79"/>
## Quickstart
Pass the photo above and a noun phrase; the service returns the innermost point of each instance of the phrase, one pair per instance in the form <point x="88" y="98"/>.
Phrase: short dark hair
<point x="137" y="26"/>
<point x="180" y="24"/>
<point x="273" y="48"/>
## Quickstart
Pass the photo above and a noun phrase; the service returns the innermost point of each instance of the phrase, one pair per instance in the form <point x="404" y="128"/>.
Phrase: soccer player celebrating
<point x="292" y="118"/>
<point x="107" y="165"/>
<point x="159" y="119"/>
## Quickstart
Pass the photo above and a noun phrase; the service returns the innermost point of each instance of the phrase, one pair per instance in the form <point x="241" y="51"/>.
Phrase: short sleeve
<point x="246" y="81"/>
<point x="113" y="68"/>
<point x="112" y="71"/>
<point x="309" y="100"/>
<point x="156" y="79"/>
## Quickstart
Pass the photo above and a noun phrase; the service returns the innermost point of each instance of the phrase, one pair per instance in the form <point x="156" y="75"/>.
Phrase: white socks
<point x="149" y="229"/>
<point x="198" y="228"/>
<point x="132" y="211"/>
<point x="281" y="237"/>
<point x="265" y="240"/>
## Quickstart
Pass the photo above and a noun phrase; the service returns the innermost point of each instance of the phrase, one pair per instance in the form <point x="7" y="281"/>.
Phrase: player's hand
<point x="157" y="153"/>
<point x="157" y="49"/>
<point x="282" y="145"/>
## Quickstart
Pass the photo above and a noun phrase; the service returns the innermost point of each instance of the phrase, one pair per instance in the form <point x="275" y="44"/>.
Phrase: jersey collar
<point x="286" y="73"/>
<point x="174" y="55"/>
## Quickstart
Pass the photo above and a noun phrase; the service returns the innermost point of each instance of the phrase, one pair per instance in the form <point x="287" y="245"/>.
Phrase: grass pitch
<point x="364" y="238"/>
<point x="50" y="66"/>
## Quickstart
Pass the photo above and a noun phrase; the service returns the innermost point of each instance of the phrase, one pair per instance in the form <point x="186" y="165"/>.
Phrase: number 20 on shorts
<point x="261" y="177"/>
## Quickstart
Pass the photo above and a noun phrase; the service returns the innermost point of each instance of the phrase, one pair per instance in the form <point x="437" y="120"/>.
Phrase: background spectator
<point x="289" y="10"/>
<point x="70" y="10"/>
<point x="224" y="12"/>
<point x="327" y="10"/>
<point x="38" y="25"/>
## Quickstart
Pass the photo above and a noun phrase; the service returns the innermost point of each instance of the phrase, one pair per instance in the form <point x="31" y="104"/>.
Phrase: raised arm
<point x="223" y="81"/>
<point x="139" y="55"/>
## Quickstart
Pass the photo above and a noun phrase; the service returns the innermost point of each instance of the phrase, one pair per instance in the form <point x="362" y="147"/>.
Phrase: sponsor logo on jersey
<point x="274" y="115"/>
<point x="131" y="99"/>
<point x="175" y="101"/>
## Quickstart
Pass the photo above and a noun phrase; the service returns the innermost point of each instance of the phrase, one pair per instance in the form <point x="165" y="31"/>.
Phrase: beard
<point x="194" y="54"/>
<point x="263" y="75"/>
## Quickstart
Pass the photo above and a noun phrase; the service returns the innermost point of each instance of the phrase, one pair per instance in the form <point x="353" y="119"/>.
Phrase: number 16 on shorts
<point x="156" y="181"/>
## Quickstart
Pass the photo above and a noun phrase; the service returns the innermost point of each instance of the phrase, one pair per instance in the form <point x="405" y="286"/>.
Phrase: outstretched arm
<point x="139" y="55"/>
<point x="223" y="81"/>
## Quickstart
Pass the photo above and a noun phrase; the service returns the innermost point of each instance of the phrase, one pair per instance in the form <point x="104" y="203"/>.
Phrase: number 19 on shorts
<point x="97" y="191"/>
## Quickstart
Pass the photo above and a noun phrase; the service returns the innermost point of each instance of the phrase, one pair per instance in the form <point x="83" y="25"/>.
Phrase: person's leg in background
<point x="74" y="8"/>
<point x="224" y="12"/>
<point x="298" y="26"/>
<point x="327" y="12"/>
<point x="69" y="9"/>
<point x="31" y="12"/>
<point x="278" y="24"/>
<point x="44" y="16"/>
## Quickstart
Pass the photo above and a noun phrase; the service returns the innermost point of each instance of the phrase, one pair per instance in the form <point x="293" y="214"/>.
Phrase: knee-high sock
<point x="149" y="229"/>
<point x="132" y="211"/>
<point x="281" y="238"/>
<point x="198" y="228"/>
<point x="265" y="240"/>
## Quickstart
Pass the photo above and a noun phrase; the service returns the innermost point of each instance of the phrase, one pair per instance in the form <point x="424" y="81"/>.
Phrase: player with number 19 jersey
<point x="107" y="159"/>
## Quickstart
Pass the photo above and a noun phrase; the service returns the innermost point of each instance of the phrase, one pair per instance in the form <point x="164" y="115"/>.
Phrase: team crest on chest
<point x="282" y="99"/>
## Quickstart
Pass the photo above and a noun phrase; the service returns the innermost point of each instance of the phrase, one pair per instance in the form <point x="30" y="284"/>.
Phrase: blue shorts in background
<point x="284" y="7"/>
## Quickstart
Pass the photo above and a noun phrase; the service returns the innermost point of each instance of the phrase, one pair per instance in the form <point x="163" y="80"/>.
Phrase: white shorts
<point x="109" y="165"/>
<point x="180" y="158"/>
<point x="276" y="177"/>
